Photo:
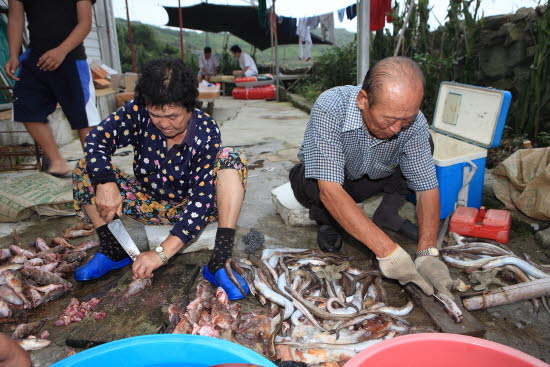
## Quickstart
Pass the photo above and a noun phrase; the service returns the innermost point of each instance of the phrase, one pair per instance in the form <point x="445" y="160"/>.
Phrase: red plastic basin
<point x="438" y="350"/>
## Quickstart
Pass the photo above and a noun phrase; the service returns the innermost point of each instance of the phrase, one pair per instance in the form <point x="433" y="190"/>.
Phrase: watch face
<point x="433" y="251"/>
<point x="159" y="249"/>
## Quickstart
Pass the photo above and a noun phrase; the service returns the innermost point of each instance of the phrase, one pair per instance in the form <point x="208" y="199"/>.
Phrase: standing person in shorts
<point x="52" y="70"/>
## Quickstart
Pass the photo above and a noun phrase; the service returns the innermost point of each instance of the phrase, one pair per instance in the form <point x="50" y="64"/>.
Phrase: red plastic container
<point x="494" y="224"/>
<point x="442" y="350"/>
<point x="264" y="92"/>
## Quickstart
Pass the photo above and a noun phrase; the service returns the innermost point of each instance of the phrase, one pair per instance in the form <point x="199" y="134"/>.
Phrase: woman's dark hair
<point x="235" y="49"/>
<point x="167" y="81"/>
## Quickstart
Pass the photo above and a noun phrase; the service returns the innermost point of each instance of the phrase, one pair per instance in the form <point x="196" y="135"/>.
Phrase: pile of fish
<point x="34" y="275"/>
<point x="317" y="308"/>
<point x="491" y="263"/>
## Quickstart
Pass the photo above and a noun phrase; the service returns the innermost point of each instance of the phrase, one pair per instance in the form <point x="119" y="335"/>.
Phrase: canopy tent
<point x="241" y="21"/>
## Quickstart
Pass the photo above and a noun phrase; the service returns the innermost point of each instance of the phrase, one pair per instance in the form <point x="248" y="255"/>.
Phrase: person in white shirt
<point x="246" y="62"/>
<point x="208" y="65"/>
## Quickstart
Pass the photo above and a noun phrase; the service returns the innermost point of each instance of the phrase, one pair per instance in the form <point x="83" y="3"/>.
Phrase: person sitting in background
<point x="208" y="65"/>
<point x="246" y="62"/>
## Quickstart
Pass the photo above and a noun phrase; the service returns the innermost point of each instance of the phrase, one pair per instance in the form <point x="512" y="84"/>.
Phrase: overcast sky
<point x="151" y="11"/>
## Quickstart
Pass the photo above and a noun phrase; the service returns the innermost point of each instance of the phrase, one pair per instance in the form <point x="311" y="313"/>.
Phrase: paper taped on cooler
<point x="471" y="113"/>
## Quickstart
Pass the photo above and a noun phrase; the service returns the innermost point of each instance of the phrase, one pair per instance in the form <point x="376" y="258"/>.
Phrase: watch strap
<point x="428" y="252"/>
<point x="162" y="256"/>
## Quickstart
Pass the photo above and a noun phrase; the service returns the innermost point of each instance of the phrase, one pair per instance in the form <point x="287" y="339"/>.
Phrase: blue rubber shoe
<point x="98" y="266"/>
<point x="220" y="279"/>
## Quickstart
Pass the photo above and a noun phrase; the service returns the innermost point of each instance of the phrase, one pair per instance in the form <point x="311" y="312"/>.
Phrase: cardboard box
<point x="97" y="71"/>
<point x="130" y="80"/>
<point x="116" y="81"/>
<point x="101" y="83"/>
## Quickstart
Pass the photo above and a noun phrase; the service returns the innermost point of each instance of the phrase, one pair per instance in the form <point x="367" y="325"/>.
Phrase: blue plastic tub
<point x="165" y="350"/>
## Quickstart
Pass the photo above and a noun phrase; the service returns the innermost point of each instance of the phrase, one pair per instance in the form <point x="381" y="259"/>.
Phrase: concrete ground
<point x="270" y="134"/>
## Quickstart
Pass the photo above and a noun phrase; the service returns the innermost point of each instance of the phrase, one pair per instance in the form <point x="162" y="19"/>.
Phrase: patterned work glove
<point x="400" y="266"/>
<point x="436" y="272"/>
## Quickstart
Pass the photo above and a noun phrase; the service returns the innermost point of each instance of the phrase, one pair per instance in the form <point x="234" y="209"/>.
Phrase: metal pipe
<point x="181" y="30"/>
<point x="131" y="39"/>
<point x="276" y="42"/>
<point x="363" y="39"/>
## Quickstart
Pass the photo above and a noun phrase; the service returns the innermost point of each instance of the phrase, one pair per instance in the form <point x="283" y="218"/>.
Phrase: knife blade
<point x="442" y="232"/>
<point x="123" y="237"/>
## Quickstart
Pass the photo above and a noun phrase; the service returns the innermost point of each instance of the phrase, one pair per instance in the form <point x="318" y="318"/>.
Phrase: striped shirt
<point x="337" y="145"/>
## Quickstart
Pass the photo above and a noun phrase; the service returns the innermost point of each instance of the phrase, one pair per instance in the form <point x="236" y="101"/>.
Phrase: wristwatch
<point x="430" y="251"/>
<point x="160" y="251"/>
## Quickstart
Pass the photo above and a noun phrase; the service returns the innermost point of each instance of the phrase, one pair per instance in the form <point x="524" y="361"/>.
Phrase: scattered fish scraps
<point x="33" y="343"/>
<point x="76" y="311"/>
<point x="78" y="230"/>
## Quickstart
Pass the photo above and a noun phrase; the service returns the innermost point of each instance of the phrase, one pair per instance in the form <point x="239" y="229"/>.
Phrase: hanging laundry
<point x="304" y="36"/>
<point x="341" y="14"/>
<point x="273" y="22"/>
<point x="262" y="13"/>
<point x="327" y="27"/>
<point x="351" y="11"/>
<point x="313" y="22"/>
<point x="286" y="27"/>
<point x="380" y="10"/>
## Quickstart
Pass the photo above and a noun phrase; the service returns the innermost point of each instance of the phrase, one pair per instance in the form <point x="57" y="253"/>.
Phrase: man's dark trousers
<point x="394" y="187"/>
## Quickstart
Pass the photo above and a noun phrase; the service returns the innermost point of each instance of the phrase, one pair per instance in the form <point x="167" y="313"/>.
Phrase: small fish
<point x="11" y="266"/>
<point x="18" y="259"/>
<point x="87" y="245"/>
<point x="449" y="305"/>
<point x="78" y="230"/>
<point x="137" y="286"/>
<point x="45" y="277"/>
<point x="21" y="251"/>
<point x="60" y="241"/>
<point x="36" y="297"/>
<point x="5" y="310"/>
<point x="8" y="295"/>
<point x="24" y="330"/>
<point x="34" y="262"/>
<point x="40" y="244"/>
<point x="73" y="256"/>
<point x="5" y="253"/>
<point x="33" y="343"/>
<point x="18" y="285"/>
<point x="47" y="267"/>
<point x="67" y="267"/>
<point x="47" y="288"/>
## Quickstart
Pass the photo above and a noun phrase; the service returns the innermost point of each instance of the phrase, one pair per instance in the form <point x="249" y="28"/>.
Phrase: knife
<point x="123" y="237"/>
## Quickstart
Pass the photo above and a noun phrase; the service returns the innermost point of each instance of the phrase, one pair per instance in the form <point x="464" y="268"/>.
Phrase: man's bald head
<point x="398" y="70"/>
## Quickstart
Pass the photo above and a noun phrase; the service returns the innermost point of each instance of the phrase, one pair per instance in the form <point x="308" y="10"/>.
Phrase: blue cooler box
<point x="467" y="121"/>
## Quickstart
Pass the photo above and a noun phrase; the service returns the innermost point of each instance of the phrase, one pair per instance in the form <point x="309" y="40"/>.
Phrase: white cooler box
<point x="467" y="121"/>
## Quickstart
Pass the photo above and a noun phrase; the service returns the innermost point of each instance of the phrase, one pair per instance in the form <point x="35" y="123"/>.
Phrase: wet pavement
<point x="270" y="133"/>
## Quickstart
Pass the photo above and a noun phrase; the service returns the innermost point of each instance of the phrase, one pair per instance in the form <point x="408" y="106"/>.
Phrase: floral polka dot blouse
<point x="183" y="173"/>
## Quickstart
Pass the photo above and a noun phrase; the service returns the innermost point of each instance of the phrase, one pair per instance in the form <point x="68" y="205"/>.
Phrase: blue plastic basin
<point x="165" y="350"/>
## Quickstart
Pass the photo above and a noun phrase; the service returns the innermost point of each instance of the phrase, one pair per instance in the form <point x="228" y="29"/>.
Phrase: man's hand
<point x="11" y="68"/>
<point x="400" y="266"/>
<point x="145" y="264"/>
<point x="435" y="272"/>
<point x="108" y="201"/>
<point x="52" y="59"/>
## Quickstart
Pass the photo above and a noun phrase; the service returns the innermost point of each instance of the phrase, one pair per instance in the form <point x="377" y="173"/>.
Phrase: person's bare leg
<point x="82" y="134"/>
<point x="42" y="134"/>
<point x="93" y="215"/>
<point x="229" y="197"/>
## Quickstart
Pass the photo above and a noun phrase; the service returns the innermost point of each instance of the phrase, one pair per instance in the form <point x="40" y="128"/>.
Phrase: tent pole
<point x="363" y="39"/>
<point x="276" y="42"/>
<point x="181" y="31"/>
<point x="402" y="31"/>
<point x="131" y="39"/>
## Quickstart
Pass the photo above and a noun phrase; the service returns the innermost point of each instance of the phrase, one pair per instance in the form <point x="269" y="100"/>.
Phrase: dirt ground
<point x="270" y="134"/>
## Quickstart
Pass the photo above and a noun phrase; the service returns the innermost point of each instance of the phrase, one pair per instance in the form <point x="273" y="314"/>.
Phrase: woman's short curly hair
<point x="167" y="81"/>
